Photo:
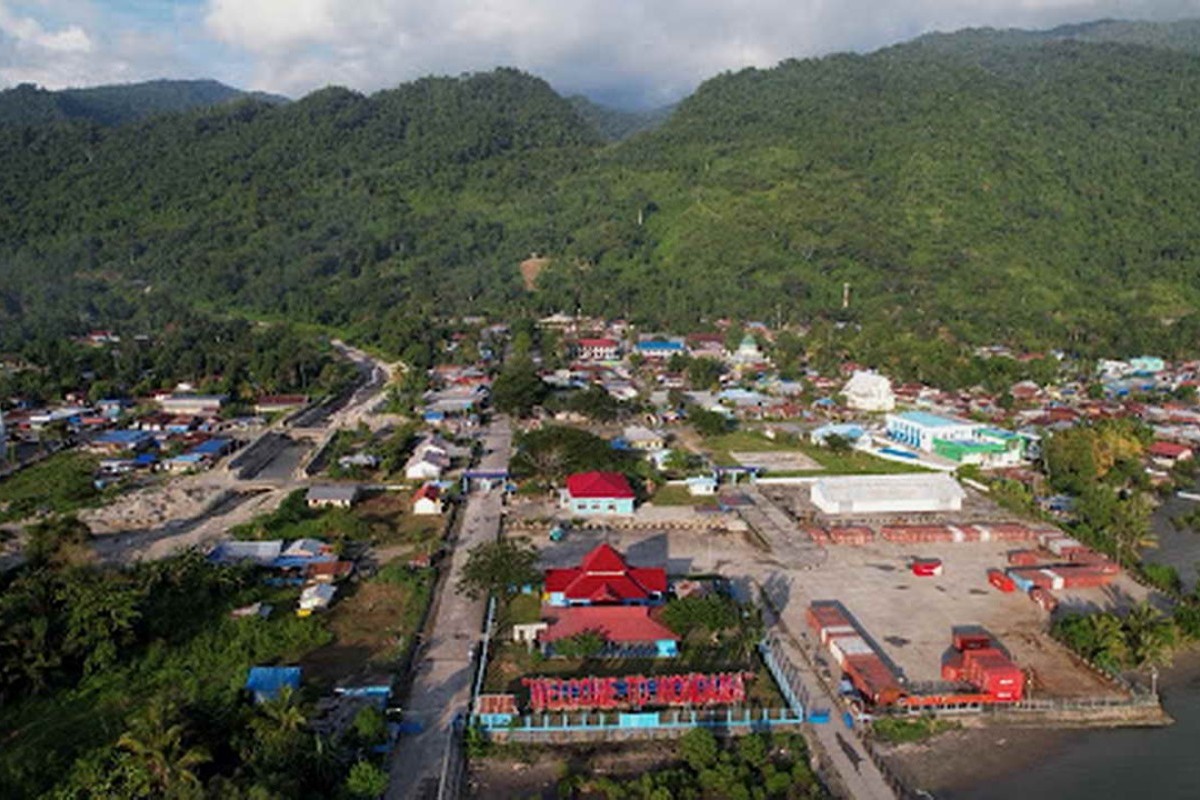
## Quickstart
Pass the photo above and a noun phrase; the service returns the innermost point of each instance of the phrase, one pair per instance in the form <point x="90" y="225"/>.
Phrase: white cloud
<point x="653" y="51"/>
<point x="88" y="49"/>
<point x="648" y="52"/>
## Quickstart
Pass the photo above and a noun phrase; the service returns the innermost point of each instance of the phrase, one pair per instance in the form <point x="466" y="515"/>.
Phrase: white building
<point x="869" y="391"/>
<point x="919" y="429"/>
<point x="887" y="494"/>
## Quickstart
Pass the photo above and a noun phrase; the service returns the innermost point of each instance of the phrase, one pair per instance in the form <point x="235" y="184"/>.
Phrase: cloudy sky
<point x="629" y="52"/>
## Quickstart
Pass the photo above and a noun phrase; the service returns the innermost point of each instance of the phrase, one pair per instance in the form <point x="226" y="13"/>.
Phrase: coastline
<point x="958" y="763"/>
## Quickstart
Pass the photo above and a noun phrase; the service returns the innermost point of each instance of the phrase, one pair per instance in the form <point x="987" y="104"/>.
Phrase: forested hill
<point x="117" y="104"/>
<point x="1183" y="35"/>
<point x="615" y="124"/>
<point x="1042" y="194"/>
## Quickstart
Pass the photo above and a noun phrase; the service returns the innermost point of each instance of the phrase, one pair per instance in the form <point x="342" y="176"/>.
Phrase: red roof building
<point x="1169" y="451"/>
<point x="598" y="493"/>
<point x="597" y="485"/>
<point x="603" y="577"/>
<point x="620" y="625"/>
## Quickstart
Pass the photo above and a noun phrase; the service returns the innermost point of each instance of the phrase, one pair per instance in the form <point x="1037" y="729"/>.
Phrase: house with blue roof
<point x="268" y="683"/>
<point x="660" y="348"/>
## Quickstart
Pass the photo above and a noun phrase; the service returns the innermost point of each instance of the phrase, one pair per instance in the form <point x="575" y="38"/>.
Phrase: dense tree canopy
<point x="1036" y="191"/>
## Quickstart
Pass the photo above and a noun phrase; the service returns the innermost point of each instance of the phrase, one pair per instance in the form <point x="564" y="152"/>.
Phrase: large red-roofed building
<point x="603" y="577"/>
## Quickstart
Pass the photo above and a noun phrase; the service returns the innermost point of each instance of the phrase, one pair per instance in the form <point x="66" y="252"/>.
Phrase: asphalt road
<point x="441" y="686"/>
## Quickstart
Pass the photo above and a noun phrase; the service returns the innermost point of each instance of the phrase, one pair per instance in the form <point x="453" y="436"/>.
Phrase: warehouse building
<point x="887" y="494"/>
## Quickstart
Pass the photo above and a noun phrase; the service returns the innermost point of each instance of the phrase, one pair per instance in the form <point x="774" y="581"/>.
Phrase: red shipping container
<point x="873" y="679"/>
<point x="1023" y="558"/>
<point x="927" y="567"/>
<point x="1043" y="598"/>
<point x="1001" y="581"/>
<point x="952" y="668"/>
<point x="825" y="614"/>
<point x="964" y="641"/>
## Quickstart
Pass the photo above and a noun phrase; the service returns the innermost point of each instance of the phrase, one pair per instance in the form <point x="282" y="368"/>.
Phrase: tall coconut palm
<point x="1149" y="636"/>
<point x="156" y="739"/>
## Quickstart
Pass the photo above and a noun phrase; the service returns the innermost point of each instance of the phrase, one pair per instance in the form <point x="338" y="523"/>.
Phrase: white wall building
<point x="887" y="494"/>
<point x="869" y="391"/>
<point x="919" y="428"/>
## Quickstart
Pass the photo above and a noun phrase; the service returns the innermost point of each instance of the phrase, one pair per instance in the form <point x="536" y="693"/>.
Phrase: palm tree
<point x="283" y="712"/>
<point x="156" y="740"/>
<point x="1149" y="635"/>
<point x="1106" y="639"/>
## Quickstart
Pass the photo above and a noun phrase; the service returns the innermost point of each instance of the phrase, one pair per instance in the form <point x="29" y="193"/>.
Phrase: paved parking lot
<point x="911" y="618"/>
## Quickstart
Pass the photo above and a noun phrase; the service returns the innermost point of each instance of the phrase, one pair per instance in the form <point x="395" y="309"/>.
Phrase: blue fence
<point x="785" y="675"/>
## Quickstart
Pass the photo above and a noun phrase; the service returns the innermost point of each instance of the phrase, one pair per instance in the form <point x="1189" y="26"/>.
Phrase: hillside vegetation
<point x="1039" y="190"/>
<point x="117" y="104"/>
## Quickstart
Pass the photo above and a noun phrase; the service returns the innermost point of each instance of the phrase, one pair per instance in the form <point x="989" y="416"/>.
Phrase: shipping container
<point x="971" y="640"/>
<point x="826" y="614"/>
<point x="1045" y="600"/>
<point x="873" y="679"/>
<point x="842" y="647"/>
<point x="1063" y="546"/>
<point x="1001" y="581"/>
<point x="1022" y="583"/>
<point x="952" y="667"/>
<point x="837" y="630"/>
<point x="927" y="567"/>
<point x="1023" y="558"/>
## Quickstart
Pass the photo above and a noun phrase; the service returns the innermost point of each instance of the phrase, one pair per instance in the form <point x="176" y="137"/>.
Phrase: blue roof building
<point x="267" y="683"/>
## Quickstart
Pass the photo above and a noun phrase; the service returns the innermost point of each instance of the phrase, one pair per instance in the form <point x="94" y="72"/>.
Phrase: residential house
<point x="273" y="403"/>
<point x="641" y="438"/>
<point x="332" y="496"/>
<point x="660" y="349"/>
<point x="427" y="500"/>
<point x="593" y="493"/>
<point x="315" y="597"/>
<point x="192" y="404"/>
<point x="1168" y="454"/>
<point x="600" y="349"/>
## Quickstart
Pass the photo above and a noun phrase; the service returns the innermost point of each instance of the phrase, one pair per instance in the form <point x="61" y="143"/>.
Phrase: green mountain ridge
<point x="1042" y="195"/>
<point x="118" y="104"/>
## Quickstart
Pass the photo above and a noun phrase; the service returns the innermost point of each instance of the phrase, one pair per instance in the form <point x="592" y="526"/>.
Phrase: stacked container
<point x="1046" y="601"/>
<point x="1023" y="558"/>
<point x="851" y="535"/>
<point x="995" y="674"/>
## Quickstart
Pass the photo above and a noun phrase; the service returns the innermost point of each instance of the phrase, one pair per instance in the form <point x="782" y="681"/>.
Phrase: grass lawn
<point x="668" y="495"/>
<point x="372" y="625"/>
<point x="381" y="519"/>
<point x="897" y="730"/>
<point x="60" y="484"/>
<point x="853" y="462"/>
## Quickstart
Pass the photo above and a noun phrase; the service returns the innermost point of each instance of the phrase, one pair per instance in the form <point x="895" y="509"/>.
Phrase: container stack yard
<point x="977" y="672"/>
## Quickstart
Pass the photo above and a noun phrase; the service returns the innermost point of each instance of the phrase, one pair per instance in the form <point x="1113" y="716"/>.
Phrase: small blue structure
<point x="126" y="440"/>
<point x="850" y="432"/>
<point x="267" y="683"/>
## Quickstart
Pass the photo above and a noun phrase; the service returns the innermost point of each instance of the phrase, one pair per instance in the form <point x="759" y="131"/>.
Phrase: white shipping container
<point x="1056" y="580"/>
<point x="1058" y="546"/>
<point x="836" y="630"/>
<point x="842" y="647"/>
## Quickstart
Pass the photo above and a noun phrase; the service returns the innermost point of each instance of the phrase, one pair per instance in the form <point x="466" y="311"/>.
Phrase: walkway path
<point x="441" y="686"/>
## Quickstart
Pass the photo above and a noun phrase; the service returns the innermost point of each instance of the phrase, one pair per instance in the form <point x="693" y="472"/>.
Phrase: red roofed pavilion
<point x="603" y="577"/>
